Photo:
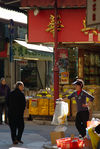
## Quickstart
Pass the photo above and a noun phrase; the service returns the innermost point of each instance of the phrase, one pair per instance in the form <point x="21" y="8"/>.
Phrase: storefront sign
<point x="22" y="62"/>
<point x="90" y="37"/>
<point x="73" y="21"/>
<point x="64" y="77"/>
<point x="20" y="52"/>
<point x="93" y="12"/>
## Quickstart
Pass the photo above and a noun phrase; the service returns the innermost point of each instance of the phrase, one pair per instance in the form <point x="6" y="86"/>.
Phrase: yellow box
<point x="51" y="110"/>
<point x="43" y="111"/>
<point x="33" y="110"/>
<point x="51" y="106"/>
<point x="43" y="102"/>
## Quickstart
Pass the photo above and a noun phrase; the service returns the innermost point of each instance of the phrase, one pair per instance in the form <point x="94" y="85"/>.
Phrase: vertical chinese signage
<point x="93" y="12"/>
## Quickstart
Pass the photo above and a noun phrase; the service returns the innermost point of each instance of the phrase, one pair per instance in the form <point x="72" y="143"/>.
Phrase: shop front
<point x="31" y="65"/>
<point x="81" y="44"/>
<point x="77" y="36"/>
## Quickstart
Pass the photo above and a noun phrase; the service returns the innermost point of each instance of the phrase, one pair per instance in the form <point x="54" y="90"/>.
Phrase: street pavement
<point x="35" y="136"/>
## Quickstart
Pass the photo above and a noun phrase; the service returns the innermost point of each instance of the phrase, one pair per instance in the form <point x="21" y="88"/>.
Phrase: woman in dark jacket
<point x="16" y="106"/>
<point x="4" y="93"/>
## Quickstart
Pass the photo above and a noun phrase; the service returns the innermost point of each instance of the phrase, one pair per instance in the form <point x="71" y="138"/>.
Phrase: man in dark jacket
<point x="4" y="93"/>
<point x="16" y="106"/>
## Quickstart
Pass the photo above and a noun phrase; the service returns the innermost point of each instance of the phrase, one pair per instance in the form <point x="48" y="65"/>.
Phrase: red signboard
<point x="4" y="53"/>
<point x="71" y="19"/>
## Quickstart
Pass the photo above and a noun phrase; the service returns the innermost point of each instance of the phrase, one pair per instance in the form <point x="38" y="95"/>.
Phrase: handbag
<point x="2" y="99"/>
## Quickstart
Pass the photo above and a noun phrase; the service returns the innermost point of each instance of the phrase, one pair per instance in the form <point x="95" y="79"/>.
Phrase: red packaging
<point x="59" y="141"/>
<point x="68" y="143"/>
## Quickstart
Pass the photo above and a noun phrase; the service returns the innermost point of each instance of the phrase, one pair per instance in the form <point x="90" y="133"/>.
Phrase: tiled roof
<point x="72" y="3"/>
<point x="50" y="3"/>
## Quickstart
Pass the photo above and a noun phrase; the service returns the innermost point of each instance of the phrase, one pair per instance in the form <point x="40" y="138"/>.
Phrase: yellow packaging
<point x="43" y="102"/>
<point x="33" y="110"/>
<point x="43" y="111"/>
<point x="51" y="106"/>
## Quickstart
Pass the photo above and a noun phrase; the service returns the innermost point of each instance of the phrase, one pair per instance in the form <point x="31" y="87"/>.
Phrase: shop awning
<point x="50" y="3"/>
<point x="6" y="14"/>
<point x="35" y="47"/>
<point x="22" y="50"/>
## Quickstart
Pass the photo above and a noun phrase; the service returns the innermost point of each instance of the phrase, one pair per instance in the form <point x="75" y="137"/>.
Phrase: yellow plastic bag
<point x="94" y="138"/>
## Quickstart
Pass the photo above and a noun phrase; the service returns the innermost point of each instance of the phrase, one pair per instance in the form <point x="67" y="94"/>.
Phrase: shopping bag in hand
<point x="61" y="112"/>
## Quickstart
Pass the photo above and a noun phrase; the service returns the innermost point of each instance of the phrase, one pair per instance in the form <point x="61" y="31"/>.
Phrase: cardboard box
<point x="56" y="135"/>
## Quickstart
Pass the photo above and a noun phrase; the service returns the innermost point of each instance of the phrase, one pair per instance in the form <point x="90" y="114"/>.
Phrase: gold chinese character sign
<point x="86" y="30"/>
<point x="51" y="26"/>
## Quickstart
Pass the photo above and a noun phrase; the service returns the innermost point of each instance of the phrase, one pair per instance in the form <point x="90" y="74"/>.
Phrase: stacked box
<point x="43" y="106"/>
<point x="33" y="107"/>
<point x="51" y="106"/>
<point x="56" y="135"/>
<point x="96" y="106"/>
<point x="74" y="108"/>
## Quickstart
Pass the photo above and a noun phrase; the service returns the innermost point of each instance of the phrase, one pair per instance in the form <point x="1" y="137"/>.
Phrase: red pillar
<point x="56" y="69"/>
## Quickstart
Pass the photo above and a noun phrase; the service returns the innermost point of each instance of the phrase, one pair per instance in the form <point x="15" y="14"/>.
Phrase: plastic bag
<point x="61" y="112"/>
<point x="93" y="123"/>
<point x="94" y="138"/>
<point x="60" y="128"/>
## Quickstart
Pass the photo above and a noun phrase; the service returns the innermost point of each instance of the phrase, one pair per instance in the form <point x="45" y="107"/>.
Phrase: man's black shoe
<point x="15" y="142"/>
<point x="19" y="141"/>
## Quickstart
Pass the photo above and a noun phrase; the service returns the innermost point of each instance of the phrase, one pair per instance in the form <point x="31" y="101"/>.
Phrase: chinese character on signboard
<point x="93" y="12"/>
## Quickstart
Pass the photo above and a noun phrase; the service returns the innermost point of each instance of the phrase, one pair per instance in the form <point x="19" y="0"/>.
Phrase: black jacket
<point x="16" y="103"/>
<point x="97" y="129"/>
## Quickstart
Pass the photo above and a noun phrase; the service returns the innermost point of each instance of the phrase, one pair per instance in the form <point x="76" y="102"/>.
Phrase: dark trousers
<point x="81" y="122"/>
<point x="16" y="124"/>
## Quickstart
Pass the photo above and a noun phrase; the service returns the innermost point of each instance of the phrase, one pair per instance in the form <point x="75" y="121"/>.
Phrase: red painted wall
<point x="72" y="19"/>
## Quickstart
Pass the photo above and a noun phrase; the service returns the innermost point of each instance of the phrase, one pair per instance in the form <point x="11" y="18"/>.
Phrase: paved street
<point x="34" y="137"/>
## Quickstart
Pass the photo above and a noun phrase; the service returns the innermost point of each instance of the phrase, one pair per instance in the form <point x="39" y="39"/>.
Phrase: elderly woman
<point x="4" y="93"/>
<point x="16" y="105"/>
